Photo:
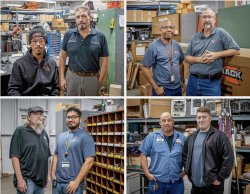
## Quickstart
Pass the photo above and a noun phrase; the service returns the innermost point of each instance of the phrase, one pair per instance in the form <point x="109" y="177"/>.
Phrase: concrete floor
<point x="8" y="188"/>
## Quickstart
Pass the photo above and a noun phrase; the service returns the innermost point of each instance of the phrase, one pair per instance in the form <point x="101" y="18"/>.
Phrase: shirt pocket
<point x="160" y="148"/>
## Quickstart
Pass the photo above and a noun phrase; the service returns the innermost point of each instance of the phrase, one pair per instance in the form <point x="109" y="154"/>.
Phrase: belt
<point x="215" y="76"/>
<point x="84" y="74"/>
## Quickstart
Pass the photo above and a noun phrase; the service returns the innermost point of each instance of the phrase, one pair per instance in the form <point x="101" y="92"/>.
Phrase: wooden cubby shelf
<point x="107" y="174"/>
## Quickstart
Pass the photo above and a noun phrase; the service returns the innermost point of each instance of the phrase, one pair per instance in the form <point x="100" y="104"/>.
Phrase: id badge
<point x="172" y="78"/>
<point x="65" y="164"/>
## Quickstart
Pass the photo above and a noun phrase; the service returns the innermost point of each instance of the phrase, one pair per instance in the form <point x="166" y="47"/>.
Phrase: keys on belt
<point x="215" y="76"/>
<point x="155" y="186"/>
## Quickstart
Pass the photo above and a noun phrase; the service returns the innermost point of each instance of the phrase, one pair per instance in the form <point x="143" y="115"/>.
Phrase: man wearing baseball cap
<point x="34" y="74"/>
<point x="29" y="153"/>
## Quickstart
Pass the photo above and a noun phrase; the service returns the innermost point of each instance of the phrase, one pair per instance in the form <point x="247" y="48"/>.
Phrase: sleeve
<point x="149" y="57"/>
<point x="88" y="146"/>
<point x="15" y="86"/>
<point x="15" y="145"/>
<point x="229" y="42"/>
<point x="104" y="49"/>
<point x="55" y="82"/>
<point x="65" y="40"/>
<point x="189" y="48"/>
<point x="56" y="149"/>
<point x="181" y="54"/>
<point x="146" y="145"/>
<point x="185" y="154"/>
<point x="227" y="157"/>
<point x="49" y="152"/>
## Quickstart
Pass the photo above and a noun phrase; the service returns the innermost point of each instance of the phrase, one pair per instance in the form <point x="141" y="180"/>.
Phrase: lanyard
<point x="170" y="58"/>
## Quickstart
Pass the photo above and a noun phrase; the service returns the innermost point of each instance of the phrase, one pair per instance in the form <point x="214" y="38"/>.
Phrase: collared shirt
<point x="157" y="57"/>
<point x="84" y="53"/>
<point x="165" y="165"/>
<point x="218" y="40"/>
<point x="79" y="145"/>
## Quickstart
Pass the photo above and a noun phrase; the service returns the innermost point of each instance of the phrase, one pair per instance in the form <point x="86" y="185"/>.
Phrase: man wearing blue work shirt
<point x="88" y="53"/>
<point x="73" y="157"/>
<point x="164" y="147"/>
<point x="205" y="54"/>
<point x="165" y="57"/>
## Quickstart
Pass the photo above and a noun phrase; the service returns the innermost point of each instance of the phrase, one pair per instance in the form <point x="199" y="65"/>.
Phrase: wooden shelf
<point x="107" y="174"/>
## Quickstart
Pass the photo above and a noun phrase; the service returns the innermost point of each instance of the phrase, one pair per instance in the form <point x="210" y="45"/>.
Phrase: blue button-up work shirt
<point x="165" y="165"/>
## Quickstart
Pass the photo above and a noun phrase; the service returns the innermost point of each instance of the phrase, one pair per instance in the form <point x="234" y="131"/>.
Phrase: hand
<point x="209" y="56"/>
<point x="183" y="87"/>
<point x="216" y="182"/>
<point x="52" y="176"/>
<point x="182" y="174"/>
<point x="63" y="86"/>
<point x="159" y="90"/>
<point x="72" y="187"/>
<point x="151" y="177"/>
<point x="21" y="184"/>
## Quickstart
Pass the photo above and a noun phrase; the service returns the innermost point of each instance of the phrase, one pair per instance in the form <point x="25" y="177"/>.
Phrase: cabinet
<point x="107" y="174"/>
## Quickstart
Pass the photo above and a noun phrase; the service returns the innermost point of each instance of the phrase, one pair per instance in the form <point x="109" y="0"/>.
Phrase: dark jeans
<point x="211" y="189"/>
<point x="169" y="92"/>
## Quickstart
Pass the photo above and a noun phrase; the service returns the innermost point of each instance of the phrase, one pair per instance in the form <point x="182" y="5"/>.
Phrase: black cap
<point x="35" y="109"/>
<point x="37" y="31"/>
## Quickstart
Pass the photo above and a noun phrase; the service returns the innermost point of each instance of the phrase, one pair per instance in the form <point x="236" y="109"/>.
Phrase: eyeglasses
<point x="37" y="114"/>
<point x="40" y="41"/>
<point x="72" y="117"/>
<point x="207" y="16"/>
<point x="167" y="27"/>
<point x="80" y="16"/>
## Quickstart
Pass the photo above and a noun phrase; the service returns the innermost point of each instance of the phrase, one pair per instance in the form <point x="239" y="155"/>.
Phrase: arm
<point x="183" y="86"/>
<point x="55" y="87"/>
<point x="62" y="63"/>
<point x="15" y="85"/>
<point x="21" y="184"/>
<point x="73" y="185"/>
<point x="149" y="78"/>
<point x="221" y="54"/>
<point x="144" y="163"/>
<point x="53" y="168"/>
<point x="104" y="69"/>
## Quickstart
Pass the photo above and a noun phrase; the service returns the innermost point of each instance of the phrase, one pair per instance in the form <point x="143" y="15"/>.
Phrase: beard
<point x="82" y="26"/>
<point x="38" y="128"/>
<point x="73" y="126"/>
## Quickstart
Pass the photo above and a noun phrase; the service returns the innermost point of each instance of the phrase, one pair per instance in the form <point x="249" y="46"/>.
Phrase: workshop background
<point x="232" y="116"/>
<point x="143" y="21"/>
<point x="102" y="118"/>
<point x="57" y="17"/>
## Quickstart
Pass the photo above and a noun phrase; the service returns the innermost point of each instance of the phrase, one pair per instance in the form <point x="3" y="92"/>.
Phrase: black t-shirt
<point x="33" y="152"/>
<point x="170" y="141"/>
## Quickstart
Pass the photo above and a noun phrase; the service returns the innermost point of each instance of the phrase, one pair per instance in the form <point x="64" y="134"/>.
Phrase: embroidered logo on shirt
<point x="178" y="141"/>
<point x="46" y="66"/>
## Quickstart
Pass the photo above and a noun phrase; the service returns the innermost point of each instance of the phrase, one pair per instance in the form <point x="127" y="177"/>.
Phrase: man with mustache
<point x="205" y="54"/>
<point x="164" y="147"/>
<point x="29" y="153"/>
<point x="207" y="156"/>
<point x="88" y="53"/>
<point x="165" y="56"/>
<point x="34" y="74"/>
<point x="73" y="157"/>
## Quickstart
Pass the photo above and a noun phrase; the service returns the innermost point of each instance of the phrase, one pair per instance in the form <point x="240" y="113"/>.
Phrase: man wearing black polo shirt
<point x="88" y="53"/>
<point x="29" y="152"/>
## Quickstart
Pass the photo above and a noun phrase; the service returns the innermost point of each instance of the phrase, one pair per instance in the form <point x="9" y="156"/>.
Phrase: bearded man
<point x="29" y="153"/>
<point x="205" y="54"/>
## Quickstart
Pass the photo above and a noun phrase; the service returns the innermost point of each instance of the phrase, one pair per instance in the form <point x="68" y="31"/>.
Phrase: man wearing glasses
<point x="205" y="54"/>
<point x="73" y="157"/>
<point x="29" y="153"/>
<point x="34" y="74"/>
<point x="165" y="56"/>
<point x="88" y="53"/>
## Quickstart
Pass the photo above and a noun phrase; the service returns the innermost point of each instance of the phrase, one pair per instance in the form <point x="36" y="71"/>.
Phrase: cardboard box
<point x="46" y="18"/>
<point x="190" y="6"/>
<point x="185" y="10"/>
<point x="115" y="90"/>
<point x="133" y="102"/>
<point x="186" y="1"/>
<point x="147" y="15"/>
<point x="158" y="21"/>
<point x="138" y="50"/>
<point x="239" y="164"/>
<point x="135" y="16"/>
<point x="181" y="6"/>
<point x="157" y="106"/>
<point x="236" y="73"/>
<point x="134" y="112"/>
<point x="5" y="27"/>
<point x="6" y="17"/>
<point x="57" y="22"/>
<point x="62" y="106"/>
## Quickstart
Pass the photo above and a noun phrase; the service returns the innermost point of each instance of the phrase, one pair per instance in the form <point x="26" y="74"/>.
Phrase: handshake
<point x="208" y="57"/>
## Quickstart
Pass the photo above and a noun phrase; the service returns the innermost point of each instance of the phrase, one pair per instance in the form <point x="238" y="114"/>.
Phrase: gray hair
<point x="84" y="8"/>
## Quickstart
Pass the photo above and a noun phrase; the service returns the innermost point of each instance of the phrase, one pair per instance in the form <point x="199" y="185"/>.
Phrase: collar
<point x="212" y="33"/>
<point x="92" y="31"/>
<point x="162" y="134"/>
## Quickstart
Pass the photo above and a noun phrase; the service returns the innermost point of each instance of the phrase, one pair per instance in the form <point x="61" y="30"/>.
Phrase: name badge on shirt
<point x="65" y="164"/>
<point x="159" y="139"/>
<point x="178" y="141"/>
